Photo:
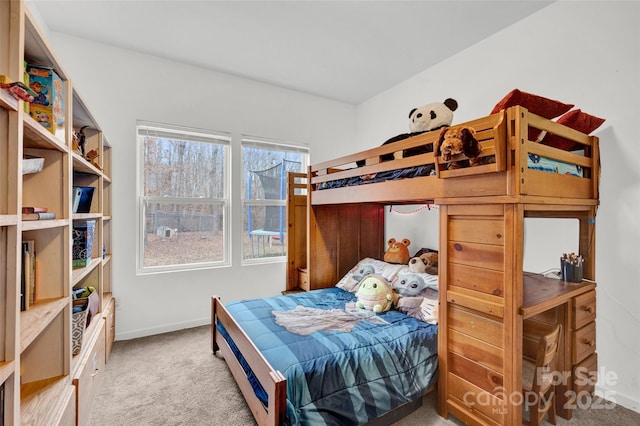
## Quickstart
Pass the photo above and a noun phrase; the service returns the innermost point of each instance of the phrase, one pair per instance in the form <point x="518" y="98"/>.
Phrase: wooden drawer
<point x="110" y="327"/>
<point x="584" y="342"/>
<point x="584" y="309"/>
<point x="66" y="415"/>
<point x="89" y="375"/>
<point x="303" y="279"/>
<point x="585" y="376"/>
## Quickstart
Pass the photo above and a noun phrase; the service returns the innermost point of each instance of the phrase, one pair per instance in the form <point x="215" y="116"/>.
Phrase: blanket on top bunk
<point x="340" y="377"/>
<point x="533" y="162"/>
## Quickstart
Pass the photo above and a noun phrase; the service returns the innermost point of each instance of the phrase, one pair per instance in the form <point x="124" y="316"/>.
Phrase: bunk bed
<point x="484" y="295"/>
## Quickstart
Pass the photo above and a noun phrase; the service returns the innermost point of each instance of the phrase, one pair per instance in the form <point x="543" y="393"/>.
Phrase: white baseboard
<point x="127" y="335"/>
<point x="618" y="398"/>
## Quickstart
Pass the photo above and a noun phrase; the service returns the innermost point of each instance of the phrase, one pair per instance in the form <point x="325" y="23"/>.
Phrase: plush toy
<point x="409" y="284"/>
<point x="374" y="294"/>
<point x="398" y="251"/>
<point x="459" y="140"/>
<point x="415" y="297"/>
<point x="424" y="263"/>
<point x="363" y="271"/>
<point x="426" y="118"/>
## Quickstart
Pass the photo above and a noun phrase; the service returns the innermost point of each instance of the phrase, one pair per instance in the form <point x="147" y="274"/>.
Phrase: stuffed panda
<point x="426" y="118"/>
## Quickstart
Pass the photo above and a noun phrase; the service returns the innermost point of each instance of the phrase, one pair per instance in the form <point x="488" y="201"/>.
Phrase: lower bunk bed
<point x="313" y="358"/>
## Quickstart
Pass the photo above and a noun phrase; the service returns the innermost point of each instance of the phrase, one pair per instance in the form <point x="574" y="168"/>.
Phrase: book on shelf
<point x="28" y="275"/>
<point x="23" y="282"/>
<point x="31" y="271"/>
<point x="33" y="209"/>
<point x="38" y="216"/>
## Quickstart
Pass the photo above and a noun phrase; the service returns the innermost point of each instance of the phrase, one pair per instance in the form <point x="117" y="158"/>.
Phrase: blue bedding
<point x="336" y="377"/>
<point x="409" y="172"/>
<point x="534" y="162"/>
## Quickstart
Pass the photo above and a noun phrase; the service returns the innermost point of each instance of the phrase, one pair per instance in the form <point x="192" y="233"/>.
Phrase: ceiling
<point x="343" y="50"/>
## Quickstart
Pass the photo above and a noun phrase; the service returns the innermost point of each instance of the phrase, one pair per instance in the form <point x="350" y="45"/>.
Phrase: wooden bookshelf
<point x="43" y="381"/>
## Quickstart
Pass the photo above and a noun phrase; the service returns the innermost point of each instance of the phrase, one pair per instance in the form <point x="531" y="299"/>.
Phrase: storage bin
<point x="31" y="164"/>
<point x="83" y="235"/>
<point x="79" y="324"/>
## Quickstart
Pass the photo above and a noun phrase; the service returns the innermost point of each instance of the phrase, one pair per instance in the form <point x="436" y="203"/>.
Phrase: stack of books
<point x="37" y="213"/>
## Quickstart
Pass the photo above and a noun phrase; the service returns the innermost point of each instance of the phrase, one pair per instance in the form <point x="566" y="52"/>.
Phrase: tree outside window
<point x="183" y="193"/>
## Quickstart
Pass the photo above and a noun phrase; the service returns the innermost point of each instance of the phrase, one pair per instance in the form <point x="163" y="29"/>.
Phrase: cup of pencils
<point x="571" y="267"/>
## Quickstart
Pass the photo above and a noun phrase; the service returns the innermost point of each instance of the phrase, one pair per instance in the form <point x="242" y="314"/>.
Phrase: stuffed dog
<point x="459" y="140"/>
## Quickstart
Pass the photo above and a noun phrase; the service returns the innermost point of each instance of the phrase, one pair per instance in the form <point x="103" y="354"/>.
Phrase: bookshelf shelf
<point x="80" y="273"/>
<point x="32" y="225"/>
<point x="86" y="216"/>
<point x="39" y="399"/>
<point x="8" y="219"/>
<point x="83" y="166"/>
<point x="37" y="318"/>
<point x="7" y="101"/>
<point x="6" y="370"/>
<point x="36" y="136"/>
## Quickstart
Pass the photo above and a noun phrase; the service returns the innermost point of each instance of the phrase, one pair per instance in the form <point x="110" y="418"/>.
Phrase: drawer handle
<point x="590" y="343"/>
<point x="589" y="309"/>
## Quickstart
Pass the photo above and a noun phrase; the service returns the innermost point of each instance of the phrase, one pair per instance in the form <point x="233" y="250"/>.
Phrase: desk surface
<point x="541" y="293"/>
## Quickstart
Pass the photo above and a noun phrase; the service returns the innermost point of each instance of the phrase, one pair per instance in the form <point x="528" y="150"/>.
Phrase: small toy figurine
<point x="82" y="140"/>
<point x="91" y="158"/>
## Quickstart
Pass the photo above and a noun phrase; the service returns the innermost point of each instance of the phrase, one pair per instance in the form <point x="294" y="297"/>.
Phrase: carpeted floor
<point x="174" y="379"/>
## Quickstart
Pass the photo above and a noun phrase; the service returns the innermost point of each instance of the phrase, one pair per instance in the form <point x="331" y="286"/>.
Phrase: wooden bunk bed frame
<point x="485" y="296"/>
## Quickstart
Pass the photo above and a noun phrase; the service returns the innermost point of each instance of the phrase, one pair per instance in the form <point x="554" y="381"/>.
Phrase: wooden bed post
<point x="442" y="313"/>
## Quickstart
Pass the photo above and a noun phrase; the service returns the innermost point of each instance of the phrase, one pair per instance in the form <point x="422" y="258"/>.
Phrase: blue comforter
<point x="335" y="377"/>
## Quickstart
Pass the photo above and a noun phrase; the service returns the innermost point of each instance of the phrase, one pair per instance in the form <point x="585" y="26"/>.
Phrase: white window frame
<point x="169" y="131"/>
<point x="275" y="145"/>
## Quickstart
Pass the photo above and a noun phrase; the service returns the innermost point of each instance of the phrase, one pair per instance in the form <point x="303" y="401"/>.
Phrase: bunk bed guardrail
<point x="508" y="169"/>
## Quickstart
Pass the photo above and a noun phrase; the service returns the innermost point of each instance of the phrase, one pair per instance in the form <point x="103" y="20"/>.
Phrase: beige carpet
<point x="174" y="379"/>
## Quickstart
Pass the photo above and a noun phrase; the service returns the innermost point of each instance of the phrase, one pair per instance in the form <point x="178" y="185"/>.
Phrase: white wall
<point x="121" y="86"/>
<point x="586" y="53"/>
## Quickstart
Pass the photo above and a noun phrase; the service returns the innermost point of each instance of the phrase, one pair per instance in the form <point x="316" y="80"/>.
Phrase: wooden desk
<point x="539" y="293"/>
<point x="542" y="295"/>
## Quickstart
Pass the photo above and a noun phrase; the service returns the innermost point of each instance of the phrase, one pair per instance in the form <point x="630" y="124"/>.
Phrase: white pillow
<point x="368" y="266"/>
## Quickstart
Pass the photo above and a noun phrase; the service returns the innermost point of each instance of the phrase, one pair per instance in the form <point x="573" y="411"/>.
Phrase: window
<point x="265" y="165"/>
<point x="183" y="198"/>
